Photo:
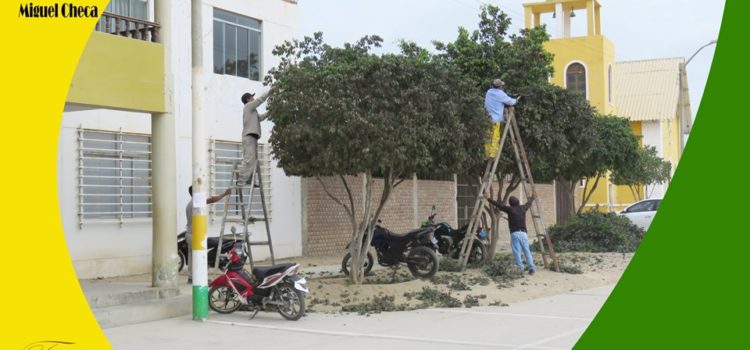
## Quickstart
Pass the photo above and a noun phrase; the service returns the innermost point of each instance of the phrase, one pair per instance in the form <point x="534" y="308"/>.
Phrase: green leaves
<point x="646" y="168"/>
<point x="347" y="111"/>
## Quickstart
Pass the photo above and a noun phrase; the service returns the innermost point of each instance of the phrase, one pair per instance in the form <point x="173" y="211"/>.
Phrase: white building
<point x="104" y="162"/>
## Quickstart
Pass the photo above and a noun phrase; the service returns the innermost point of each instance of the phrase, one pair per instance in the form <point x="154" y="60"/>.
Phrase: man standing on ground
<point x="251" y="133"/>
<point x="189" y="227"/>
<point x="495" y="101"/>
<point x="519" y="239"/>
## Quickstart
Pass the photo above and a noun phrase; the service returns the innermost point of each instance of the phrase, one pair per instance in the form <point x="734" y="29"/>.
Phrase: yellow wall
<point x="671" y="139"/>
<point x="121" y="73"/>
<point x="596" y="53"/>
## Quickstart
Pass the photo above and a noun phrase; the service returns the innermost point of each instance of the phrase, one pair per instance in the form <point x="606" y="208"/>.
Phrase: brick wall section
<point x="442" y="194"/>
<point x="327" y="229"/>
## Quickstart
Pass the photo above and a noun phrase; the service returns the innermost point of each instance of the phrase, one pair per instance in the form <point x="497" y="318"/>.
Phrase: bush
<point x="596" y="232"/>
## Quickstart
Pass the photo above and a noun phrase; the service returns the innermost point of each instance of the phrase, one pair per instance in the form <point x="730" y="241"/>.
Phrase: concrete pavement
<point x="548" y="323"/>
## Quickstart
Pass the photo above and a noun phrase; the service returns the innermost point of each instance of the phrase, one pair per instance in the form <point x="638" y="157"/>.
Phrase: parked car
<point x="641" y="213"/>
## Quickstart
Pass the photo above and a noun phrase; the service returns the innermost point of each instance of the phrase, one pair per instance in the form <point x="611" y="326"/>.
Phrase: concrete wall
<point x="109" y="249"/>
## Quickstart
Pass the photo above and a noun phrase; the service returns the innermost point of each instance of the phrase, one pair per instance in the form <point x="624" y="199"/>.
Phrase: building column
<point x="598" y="18"/>
<point x="163" y="167"/>
<point x="415" y="200"/>
<point x="527" y="17"/>
<point x="590" y="16"/>
<point x="559" y="14"/>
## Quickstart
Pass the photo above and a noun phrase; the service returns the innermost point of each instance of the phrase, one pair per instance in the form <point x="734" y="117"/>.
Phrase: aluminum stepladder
<point x="238" y="199"/>
<point x="511" y="128"/>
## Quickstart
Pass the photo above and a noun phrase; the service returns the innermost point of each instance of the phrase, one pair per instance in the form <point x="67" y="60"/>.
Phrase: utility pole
<point x="199" y="261"/>
<point x="683" y="104"/>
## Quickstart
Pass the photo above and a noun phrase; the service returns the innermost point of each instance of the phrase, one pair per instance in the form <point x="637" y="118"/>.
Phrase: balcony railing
<point x="128" y="27"/>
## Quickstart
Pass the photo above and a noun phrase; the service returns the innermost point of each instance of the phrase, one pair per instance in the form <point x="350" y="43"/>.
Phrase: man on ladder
<point x="245" y="174"/>
<point x="251" y="134"/>
<point x="495" y="101"/>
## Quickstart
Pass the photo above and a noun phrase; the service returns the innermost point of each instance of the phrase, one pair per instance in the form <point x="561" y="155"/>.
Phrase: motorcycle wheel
<point x="223" y="299"/>
<point x="367" y="265"/>
<point x="292" y="302"/>
<point x="422" y="262"/>
<point x="478" y="252"/>
<point x="182" y="261"/>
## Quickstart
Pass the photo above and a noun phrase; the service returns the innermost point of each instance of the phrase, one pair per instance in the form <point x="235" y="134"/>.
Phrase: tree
<point x="521" y="61"/>
<point x="615" y="148"/>
<point x="345" y="111"/>
<point x="647" y="169"/>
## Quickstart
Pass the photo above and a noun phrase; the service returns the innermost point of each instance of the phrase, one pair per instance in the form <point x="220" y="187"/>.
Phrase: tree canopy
<point x="647" y="169"/>
<point x="346" y="111"/>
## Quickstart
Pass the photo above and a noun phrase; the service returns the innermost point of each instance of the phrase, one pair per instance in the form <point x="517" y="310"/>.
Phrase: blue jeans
<point x="519" y="241"/>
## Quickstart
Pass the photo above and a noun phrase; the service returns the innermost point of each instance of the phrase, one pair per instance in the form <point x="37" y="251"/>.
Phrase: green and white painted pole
<point x="199" y="261"/>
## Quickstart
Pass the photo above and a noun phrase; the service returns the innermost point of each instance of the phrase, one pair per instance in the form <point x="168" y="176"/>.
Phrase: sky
<point x="640" y="29"/>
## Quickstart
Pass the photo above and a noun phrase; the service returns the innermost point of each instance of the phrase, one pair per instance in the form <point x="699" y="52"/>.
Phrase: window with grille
<point x="224" y="156"/>
<point x="114" y="175"/>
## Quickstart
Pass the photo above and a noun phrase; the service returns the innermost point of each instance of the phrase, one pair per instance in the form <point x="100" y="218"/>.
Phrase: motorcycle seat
<point x="213" y="241"/>
<point x="393" y="237"/>
<point x="262" y="272"/>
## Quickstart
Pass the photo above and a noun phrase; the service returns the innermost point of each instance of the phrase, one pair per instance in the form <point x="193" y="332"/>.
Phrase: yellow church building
<point x="646" y="91"/>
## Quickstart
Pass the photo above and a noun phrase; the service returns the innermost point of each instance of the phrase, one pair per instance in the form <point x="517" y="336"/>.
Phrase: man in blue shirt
<point x="495" y="101"/>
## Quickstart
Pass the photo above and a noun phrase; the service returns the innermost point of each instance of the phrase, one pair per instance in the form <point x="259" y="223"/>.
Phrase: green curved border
<point x="685" y="287"/>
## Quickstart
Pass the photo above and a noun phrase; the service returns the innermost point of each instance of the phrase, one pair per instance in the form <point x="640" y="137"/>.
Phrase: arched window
<point x="575" y="77"/>
<point x="609" y="76"/>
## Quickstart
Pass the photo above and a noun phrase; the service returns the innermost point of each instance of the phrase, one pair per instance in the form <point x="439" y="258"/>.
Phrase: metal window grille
<point x="114" y="176"/>
<point x="224" y="155"/>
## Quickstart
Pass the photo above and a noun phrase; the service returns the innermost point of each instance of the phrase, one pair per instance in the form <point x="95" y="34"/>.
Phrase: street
<point x="548" y="323"/>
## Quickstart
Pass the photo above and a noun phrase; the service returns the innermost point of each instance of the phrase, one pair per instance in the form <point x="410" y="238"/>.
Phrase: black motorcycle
<point x="450" y="242"/>
<point x="416" y="248"/>
<point x="226" y="246"/>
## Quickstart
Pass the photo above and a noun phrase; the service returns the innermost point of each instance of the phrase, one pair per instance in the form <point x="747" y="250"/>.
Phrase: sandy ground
<point x="331" y="294"/>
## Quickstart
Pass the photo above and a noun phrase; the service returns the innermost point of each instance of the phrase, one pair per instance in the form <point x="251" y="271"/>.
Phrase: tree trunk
<point x="495" y="215"/>
<point x="363" y="236"/>
<point x="565" y="200"/>
<point x="358" y="249"/>
<point x="494" y="234"/>
<point x="587" y="195"/>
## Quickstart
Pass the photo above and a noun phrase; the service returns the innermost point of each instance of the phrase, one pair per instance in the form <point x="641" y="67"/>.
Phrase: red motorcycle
<point x="279" y="285"/>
